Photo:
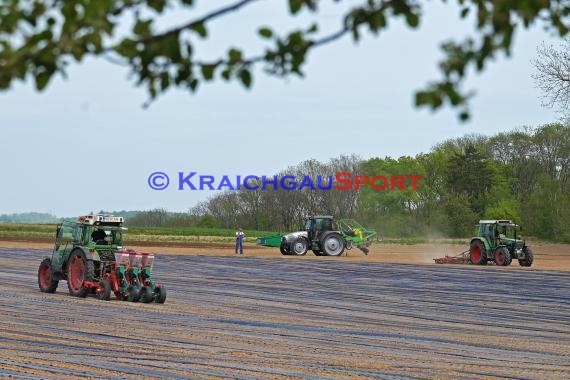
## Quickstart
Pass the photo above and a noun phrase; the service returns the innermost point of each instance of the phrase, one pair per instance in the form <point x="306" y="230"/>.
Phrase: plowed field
<point x="262" y="315"/>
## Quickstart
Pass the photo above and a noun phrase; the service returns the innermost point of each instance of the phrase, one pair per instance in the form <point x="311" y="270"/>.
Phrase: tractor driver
<point x="98" y="235"/>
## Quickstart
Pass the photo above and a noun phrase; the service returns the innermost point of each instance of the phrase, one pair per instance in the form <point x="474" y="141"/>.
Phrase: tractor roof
<point x="501" y="222"/>
<point x="320" y="216"/>
<point x="101" y="219"/>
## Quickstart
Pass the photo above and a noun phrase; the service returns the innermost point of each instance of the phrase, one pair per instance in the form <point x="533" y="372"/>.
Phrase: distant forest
<point x="522" y="175"/>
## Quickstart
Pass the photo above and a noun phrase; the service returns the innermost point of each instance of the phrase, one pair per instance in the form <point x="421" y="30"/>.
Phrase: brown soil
<point x="548" y="256"/>
<point x="268" y="316"/>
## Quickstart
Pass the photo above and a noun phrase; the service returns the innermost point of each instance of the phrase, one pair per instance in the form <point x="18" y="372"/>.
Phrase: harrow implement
<point x="462" y="258"/>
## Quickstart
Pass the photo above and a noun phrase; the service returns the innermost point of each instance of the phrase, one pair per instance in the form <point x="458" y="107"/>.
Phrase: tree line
<point x="522" y="175"/>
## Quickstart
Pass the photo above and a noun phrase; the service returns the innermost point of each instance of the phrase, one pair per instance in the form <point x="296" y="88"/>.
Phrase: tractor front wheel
<point x="528" y="258"/>
<point x="79" y="270"/>
<point x="502" y="257"/>
<point x="45" y="277"/>
<point x="104" y="291"/>
<point x="300" y="247"/>
<point x="332" y="244"/>
<point x="477" y="253"/>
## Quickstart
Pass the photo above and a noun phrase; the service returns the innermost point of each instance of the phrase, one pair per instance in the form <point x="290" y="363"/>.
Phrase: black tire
<point x="45" y="277"/>
<point x="528" y="258"/>
<point x="160" y="294"/>
<point x="283" y="250"/>
<point x="332" y="244"/>
<point x="502" y="257"/>
<point x="146" y="294"/>
<point x="477" y="253"/>
<point x="104" y="292"/>
<point x="299" y="247"/>
<point x="79" y="269"/>
<point x="133" y="293"/>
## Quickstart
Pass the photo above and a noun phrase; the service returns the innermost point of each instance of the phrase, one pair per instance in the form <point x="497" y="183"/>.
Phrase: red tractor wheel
<point x="79" y="270"/>
<point x="502" y="256"/>
<point x="477" y="253"/>
<point x="45" y="278"/>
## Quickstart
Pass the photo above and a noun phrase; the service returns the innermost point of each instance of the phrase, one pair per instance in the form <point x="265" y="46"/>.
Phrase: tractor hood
<point x="515" y="242"/>
<point x="294" y="235"/>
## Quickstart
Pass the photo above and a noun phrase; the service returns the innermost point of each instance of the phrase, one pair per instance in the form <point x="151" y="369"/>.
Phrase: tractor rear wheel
<point x="45" y="277"/>
<point x="104" y="291"/>
<point x="528" y="258"/>
<point x="502" y="256"/>
<point x="300" y="247"/>
<point x="282" y="249"/>
<point x="477" y="253"/>
<point x="79" y="270"/>
<point x="332" y="244"/>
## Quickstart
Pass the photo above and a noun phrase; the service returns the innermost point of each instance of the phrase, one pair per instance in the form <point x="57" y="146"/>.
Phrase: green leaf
<point x="164" y="81"/>
<point x="171" y="47"/>
<point x="200" y="28"/>
<point x="208" y="71"/>
<point x="127" y="48"/>
<point x="142" y="28"/>
<point x="42" y="79"/>
<point x="77" y="51"/>
<point x="157" y="5"/>
<point x="295" y="6"/>
<point x="413" y="20"/>
<point x="265" y="32"/>
<point x="226" y="74"/>
<point x="235" y="55"/>
<point x="245" y="77"/>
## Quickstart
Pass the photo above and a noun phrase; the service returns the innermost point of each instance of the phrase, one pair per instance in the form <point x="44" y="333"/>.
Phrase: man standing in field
<point x="239" y="241"/>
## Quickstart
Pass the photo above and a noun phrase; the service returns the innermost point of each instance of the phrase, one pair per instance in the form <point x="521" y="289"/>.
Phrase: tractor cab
<point x="500" y="232"/>
<point x="316" y="225"/>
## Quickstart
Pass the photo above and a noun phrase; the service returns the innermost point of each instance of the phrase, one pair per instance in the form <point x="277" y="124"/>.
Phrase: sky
<point x="87" y="143"/>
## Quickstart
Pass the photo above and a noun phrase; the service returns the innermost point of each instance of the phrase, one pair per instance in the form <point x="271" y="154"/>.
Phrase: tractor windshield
<point x="507" y="231"/>
<point x="113" y="236"/>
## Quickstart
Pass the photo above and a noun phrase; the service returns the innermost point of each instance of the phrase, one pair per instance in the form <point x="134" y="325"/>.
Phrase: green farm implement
<point x="324" y="236"/>
<point x="90" y="256"/>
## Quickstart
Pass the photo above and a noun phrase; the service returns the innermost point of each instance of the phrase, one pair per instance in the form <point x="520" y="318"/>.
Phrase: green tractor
<point x="324" y="236"/>
<point x="90" y="256"/>
<point x="497" y="241"/>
